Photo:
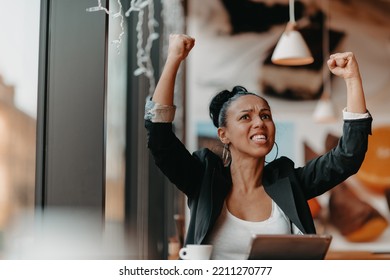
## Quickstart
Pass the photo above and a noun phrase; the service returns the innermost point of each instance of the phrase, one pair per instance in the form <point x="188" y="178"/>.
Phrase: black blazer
<point x="206" y="182"/>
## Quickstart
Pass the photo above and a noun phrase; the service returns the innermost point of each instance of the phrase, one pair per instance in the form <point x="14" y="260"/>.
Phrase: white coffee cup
<point x="196" y="252"/>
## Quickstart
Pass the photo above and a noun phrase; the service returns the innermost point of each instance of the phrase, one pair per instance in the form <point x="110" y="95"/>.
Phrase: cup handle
<point x="183" y="253"/>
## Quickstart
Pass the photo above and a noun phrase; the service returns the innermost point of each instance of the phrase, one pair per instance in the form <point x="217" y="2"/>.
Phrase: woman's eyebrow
<point x="251" y="110"/>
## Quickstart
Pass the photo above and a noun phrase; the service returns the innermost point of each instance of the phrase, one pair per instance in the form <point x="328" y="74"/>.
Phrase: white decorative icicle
<point x="144" y="62"/>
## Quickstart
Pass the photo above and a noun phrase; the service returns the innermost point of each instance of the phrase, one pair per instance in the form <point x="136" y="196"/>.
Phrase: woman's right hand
<point x="180" y="46"/>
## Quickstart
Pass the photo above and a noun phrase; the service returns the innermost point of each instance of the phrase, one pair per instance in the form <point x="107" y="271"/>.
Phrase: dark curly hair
<point x="221" y="102"/>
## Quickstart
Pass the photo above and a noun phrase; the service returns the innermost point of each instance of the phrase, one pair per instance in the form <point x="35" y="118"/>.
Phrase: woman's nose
<point x="258" y="122"/>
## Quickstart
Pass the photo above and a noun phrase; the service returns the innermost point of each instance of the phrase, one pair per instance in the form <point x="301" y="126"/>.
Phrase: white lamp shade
<point x="291" y="50"/>
<point x="324" y="111"/>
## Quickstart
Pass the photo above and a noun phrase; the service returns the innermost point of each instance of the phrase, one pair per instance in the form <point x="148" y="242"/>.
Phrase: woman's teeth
<point x="258" y="138"/>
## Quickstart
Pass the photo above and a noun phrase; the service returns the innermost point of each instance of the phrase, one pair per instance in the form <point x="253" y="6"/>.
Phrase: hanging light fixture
<point x="325" y="109"/>
<point x="291" y="48"/>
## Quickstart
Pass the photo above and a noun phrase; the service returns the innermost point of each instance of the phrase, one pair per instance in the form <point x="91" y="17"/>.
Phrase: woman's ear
<point x="222" y="135"/>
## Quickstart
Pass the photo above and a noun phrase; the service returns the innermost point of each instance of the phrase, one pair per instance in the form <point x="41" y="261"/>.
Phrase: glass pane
<point x="19" y="51"/>
<point x="116" y="116"/>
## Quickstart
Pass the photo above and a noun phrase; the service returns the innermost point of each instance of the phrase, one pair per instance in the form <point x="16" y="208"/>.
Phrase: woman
<point x="229" y="200"/>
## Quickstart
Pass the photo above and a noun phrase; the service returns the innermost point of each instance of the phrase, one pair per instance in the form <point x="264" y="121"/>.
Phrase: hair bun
<point x="219" y="100"/>
<point x="216" y="105"/>
<point x="238" y="89"/>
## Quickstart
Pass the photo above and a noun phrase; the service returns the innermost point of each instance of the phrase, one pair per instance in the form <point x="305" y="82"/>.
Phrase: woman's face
<point x="250" y="130"/>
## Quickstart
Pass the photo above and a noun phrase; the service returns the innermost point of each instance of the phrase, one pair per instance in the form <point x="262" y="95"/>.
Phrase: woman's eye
<point x="265" y="117"/>
<point x="244" y="117"/>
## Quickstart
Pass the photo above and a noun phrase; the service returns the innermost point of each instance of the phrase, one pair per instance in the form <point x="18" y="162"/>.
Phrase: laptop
<point x="289" y="247"/>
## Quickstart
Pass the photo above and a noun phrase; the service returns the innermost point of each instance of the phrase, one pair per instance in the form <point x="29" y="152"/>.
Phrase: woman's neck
<point x="247" y="174"/>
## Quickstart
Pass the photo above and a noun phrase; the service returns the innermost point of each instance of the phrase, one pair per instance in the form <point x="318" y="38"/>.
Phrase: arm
<point x="327" y="171"/>
<point x="345" y="66"/>
<point x="179" y="47"/>
<point x="330" y="169"/>
<point x="170" y="154"/>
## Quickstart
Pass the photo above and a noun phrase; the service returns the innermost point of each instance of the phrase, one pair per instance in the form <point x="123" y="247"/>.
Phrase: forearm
<point x="345" y="66"/>
<point x="356" y="102"/>
<point x="179" y="47"/>
<point x="164" y="91"/>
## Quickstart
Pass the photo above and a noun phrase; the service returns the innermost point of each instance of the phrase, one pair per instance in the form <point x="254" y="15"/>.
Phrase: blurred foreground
<point x="61" y="233"/>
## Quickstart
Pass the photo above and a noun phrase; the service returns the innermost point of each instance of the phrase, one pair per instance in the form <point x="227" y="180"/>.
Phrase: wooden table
<point x="356" y="255"/>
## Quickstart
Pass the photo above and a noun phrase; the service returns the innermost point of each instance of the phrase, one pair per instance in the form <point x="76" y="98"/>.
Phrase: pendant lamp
<point x="291" y="48"/>
<point x="324" y="111"/>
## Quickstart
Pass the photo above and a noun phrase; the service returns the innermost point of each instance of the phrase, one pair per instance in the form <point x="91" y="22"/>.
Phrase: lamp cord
<point x="292" y="12"/>
<point x="325" y="48"/>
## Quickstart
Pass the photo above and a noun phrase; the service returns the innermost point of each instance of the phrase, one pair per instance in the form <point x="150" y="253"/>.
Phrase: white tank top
<point x="231" y="236"/>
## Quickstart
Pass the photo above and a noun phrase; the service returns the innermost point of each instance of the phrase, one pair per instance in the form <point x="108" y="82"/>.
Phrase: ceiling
<point x="264" y="13"/>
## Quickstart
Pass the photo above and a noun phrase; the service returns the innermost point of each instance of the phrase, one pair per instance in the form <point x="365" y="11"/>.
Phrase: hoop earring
<point x="226" y="155"/>
<point x="277" y="152"/>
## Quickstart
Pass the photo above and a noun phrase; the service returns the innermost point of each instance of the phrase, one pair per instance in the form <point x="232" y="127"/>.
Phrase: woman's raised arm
<point x="345" y="66"/>
<point x="179" y="47"/>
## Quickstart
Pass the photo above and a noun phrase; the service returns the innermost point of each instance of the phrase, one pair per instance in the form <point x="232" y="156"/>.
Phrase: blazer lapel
<point x="211" y="203"/>
<point x="280" y="190"/>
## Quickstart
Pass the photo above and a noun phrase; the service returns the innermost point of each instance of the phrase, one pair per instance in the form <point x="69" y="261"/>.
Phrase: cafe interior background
<point x="76" y="185"/>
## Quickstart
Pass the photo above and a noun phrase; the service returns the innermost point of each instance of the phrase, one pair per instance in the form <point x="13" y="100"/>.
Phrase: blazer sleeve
<point x="324" y="172"/>
<point x="171" y="156"/>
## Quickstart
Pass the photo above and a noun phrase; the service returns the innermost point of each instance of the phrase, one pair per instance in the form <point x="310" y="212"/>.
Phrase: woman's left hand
<point x="344" y="65"/>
